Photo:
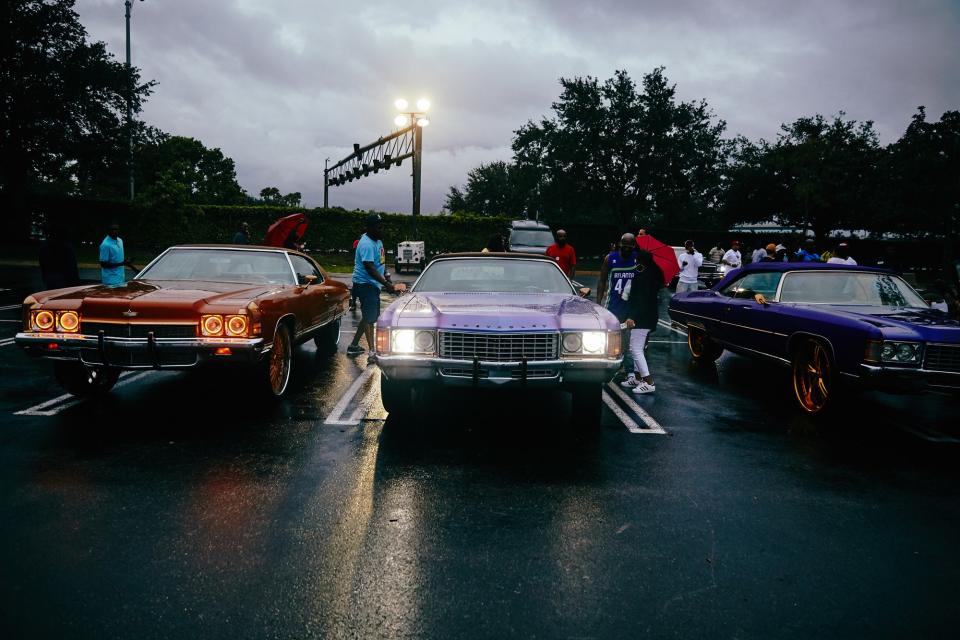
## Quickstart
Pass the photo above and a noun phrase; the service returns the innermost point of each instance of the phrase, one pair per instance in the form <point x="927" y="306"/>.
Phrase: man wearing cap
<point x="842" y="255"/>
<point x="690" y="262"/>
<point x="732" y="257"/>
<point x="769" y="253"/>
<point x="369" y="277"/>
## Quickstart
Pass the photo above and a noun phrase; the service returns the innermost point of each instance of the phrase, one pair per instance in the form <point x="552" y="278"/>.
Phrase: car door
<point x="747" y="323"/>
<point x="312" y="305"/>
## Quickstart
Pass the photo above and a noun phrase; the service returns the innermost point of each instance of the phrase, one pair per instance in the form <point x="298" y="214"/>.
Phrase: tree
<point x="491" y="190"/>
<point x="63" y="113"/>
<point x="206" y="175"/>
<point x="272" y="195"/>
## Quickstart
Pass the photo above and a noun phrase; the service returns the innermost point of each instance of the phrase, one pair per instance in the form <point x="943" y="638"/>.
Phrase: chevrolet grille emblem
<point x="130" y="314"/>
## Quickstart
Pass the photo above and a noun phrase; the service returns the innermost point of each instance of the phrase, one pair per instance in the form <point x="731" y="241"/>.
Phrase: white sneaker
<point x="630" y="383"/>
<point x="644" y="387"/>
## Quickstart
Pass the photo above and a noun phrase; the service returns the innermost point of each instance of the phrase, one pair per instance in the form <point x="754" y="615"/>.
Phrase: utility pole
<point x="326" y="184"/>
<point x="417" y="162"/>
<point x="129" y="4"/>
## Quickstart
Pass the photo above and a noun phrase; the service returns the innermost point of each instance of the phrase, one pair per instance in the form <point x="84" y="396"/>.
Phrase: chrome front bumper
<point x="905" y="380"/>
<point x="466" y="373"/>
<point x="139" y="353"/>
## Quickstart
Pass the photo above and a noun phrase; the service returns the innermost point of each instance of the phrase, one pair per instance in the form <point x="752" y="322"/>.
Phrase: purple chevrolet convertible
<point x="497" y="321"/>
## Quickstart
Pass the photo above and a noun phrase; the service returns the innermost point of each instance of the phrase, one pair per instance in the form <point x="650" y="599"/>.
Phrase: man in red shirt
<point x="563" y="253"/>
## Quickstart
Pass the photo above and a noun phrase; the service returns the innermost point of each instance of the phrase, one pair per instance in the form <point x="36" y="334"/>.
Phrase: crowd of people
<point x="805" y="251"/>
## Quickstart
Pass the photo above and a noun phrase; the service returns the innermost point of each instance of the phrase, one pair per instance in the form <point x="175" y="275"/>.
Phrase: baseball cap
<point x="374" y="220"/>
<point x="771" y="247"/>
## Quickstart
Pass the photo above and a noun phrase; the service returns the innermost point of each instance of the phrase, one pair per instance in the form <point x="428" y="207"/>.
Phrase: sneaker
<point x="355" y="350"/>
<point x="644" y="387"/>
<point x="630" y="383"/>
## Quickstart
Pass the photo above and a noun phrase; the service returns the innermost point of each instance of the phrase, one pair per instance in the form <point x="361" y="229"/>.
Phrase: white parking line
<point x="667" y="325"/>
<point x="652" y="425"/>
<point x="10" y="306"/>
<point x="60" y="403"/>
<point x="627" y="421"/>
<point x="6" y="341"/>
<point x="18" y="320"/>
<point x="336" y="416"/>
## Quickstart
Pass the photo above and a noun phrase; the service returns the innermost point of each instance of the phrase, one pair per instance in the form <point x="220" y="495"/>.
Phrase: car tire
<point x="587" y="406"/>
<point x="812" y="377"/>
<point x="277" y="366"/>
<point x="82" y="380"/>
<point x="702" y="348"/>
<point x="397" y="397"/>
<point x="328" y="338"/>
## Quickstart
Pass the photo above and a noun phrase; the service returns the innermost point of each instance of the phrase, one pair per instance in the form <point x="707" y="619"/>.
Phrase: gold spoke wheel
<point x="812" y="377"/>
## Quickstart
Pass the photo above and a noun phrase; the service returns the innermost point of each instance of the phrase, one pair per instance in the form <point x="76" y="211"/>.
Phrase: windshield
<point x="493" y="275"/>
<point x="530" y="238"/>
<point x="875" y="289"/>
<point x="221" y="265"/>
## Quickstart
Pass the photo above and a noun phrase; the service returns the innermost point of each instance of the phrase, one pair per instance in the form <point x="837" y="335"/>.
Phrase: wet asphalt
<point x="182" y="507"/>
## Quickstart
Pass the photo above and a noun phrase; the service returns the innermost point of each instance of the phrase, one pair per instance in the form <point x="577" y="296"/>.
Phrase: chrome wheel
<point x="812" y="377"/>
<point x="279" y="363"/>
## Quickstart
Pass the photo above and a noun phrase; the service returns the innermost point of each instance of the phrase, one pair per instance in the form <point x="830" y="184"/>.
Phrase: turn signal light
<point x="383" y="340"/>
<point x="211" y="326"/>
<point x="613" y="344"/>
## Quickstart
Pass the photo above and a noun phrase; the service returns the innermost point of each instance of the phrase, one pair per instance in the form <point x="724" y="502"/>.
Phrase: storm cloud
<point x="280" y="86"/>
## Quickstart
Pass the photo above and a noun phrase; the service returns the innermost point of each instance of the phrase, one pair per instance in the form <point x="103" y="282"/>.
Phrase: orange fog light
<point x="68" y="321"/>
<point x="223" y="351"/>
<point x="43" y="320"/>
<point x="236" y="326"/>
<point x="211" y="326"/>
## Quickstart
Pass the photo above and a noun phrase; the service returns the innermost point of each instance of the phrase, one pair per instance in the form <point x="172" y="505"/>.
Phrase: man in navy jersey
<point x="616" y="275"/>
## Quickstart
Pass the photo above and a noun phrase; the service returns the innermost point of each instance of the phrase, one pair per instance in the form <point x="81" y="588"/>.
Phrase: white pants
<point x="638" y="340"/>
<point x="687" y="286"/>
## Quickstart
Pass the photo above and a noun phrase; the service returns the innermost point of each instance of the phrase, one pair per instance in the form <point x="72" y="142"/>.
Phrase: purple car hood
<point x="497" y="311"/>
<point x="926" y="324"/>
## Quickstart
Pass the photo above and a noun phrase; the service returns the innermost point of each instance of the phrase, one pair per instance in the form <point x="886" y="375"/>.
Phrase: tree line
<point x="616" y="153"/>
<point x="64" y="126"/>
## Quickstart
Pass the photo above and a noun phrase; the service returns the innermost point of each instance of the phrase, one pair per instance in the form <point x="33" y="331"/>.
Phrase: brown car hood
<point x="155" y="298"/>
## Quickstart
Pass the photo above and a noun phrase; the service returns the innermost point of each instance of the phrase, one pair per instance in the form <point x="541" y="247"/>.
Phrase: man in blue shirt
<point x="808" y="252"/>
<point x="369" y="277"/>
<point x="112" y="261"/>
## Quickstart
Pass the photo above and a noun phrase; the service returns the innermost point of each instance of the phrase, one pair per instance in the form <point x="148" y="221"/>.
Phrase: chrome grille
<point x="130" y="330"/>
<point x="499" y="347"/>
<point x="942" y="357"/>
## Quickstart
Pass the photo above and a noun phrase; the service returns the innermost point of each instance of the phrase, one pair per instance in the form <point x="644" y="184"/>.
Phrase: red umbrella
<point x="663" y="256"/>
<point x="286" y="231"/>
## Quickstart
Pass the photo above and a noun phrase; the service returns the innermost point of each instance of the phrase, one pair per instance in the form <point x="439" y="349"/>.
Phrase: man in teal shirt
<point x="369" y="276"/>
<point x="112" y="261"/>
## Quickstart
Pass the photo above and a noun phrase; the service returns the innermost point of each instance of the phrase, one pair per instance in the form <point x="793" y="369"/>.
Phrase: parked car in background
<point x="708" y="275"/>
<point x="529" y="236"/>
<point x="836" y="326"/>
<point x="411" y="254"/>
<point x="497" y="321"/>
<point x="192" y="304"/>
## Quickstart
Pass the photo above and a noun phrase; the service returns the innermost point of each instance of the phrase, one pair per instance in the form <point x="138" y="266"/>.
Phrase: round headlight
<point x="572" y="342"/>
<point x="424" y="341"/>
<point x="212" y="325"/>
<point x="43" y="320"/>
<point x="236" y="325"/>
<point x="906" y="352"/>
<point x="594" y="341"/>
<point x="403" y="340"/>
<point x="69" y="321"/>
<point x="888" y="351"/>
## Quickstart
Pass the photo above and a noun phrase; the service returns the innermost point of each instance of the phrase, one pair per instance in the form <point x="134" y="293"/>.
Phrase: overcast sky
<point x="279" y="85"/>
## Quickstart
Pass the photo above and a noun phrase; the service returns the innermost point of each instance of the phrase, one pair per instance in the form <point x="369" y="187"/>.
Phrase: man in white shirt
<point x="690" y="261"/>
<point x="842" y="255"/>
<point x="758" y="254"/>
<point x="732" y="257"/>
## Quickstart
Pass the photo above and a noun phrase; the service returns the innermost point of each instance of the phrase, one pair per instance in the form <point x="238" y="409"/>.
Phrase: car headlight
<point x="894" y="352"/>
<point x="42" y="320"/>
<point x="236" y="326"/>
<point x="211" y="326"/>
<point x="68" y="321"/>
<point x="587" y="343"/>
<point x="412" y="341"/>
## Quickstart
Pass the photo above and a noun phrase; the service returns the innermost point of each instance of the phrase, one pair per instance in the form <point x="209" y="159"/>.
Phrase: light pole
<point x="129" y="5"/>
<point x="419" y="118"/>
<point x="326" y="185"/>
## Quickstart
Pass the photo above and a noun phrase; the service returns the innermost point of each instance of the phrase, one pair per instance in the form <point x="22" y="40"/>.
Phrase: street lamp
<point x="411" y="118"/>
<point x="129" y="6"/>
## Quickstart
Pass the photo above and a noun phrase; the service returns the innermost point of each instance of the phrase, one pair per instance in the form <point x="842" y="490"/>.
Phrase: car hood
<point x="921" y="324"/>
<point x="146" y="298"/>
<point x="496" y="311"/>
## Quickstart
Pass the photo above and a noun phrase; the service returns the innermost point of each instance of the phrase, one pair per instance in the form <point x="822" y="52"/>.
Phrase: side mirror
<point x="306" y="281"/>
<point x="584" y="292"/>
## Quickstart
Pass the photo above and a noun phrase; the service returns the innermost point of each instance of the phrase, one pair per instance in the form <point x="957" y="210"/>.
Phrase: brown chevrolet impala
<point x="193" y="303"/>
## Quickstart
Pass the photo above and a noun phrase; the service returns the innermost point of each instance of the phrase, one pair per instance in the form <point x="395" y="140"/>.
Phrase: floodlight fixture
<point x="400" y="104"/>
<point x="423" y="104"/>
